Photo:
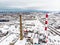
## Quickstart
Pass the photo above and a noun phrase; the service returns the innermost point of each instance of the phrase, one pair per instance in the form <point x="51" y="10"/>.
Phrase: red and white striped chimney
<point x="46" y="24"/>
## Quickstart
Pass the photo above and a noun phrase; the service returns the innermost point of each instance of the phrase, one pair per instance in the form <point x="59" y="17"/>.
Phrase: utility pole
<point x="21" y="34"/>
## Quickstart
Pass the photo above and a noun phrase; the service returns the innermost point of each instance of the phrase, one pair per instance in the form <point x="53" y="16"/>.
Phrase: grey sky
<point x="35" y="4"/>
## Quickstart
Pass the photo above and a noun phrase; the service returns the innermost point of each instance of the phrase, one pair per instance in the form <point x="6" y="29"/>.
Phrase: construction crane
<point x="21" y="34"/>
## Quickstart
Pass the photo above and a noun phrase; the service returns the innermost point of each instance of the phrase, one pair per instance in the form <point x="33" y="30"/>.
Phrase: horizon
<point x="49" y="5"/>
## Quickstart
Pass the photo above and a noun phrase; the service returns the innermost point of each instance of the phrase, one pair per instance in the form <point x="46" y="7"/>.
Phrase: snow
<point x="13" y="28"/>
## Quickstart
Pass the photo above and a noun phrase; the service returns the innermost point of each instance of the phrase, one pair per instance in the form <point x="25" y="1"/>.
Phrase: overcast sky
<point x="33" y="4"/>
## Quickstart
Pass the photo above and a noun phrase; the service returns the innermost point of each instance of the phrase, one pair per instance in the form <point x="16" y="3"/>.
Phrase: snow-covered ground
<point x="34" y="24"/>
<point x="53" y="28"/>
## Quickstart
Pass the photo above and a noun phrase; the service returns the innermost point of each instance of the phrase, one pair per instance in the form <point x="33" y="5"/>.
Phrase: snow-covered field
<point x="34" y="25"/>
